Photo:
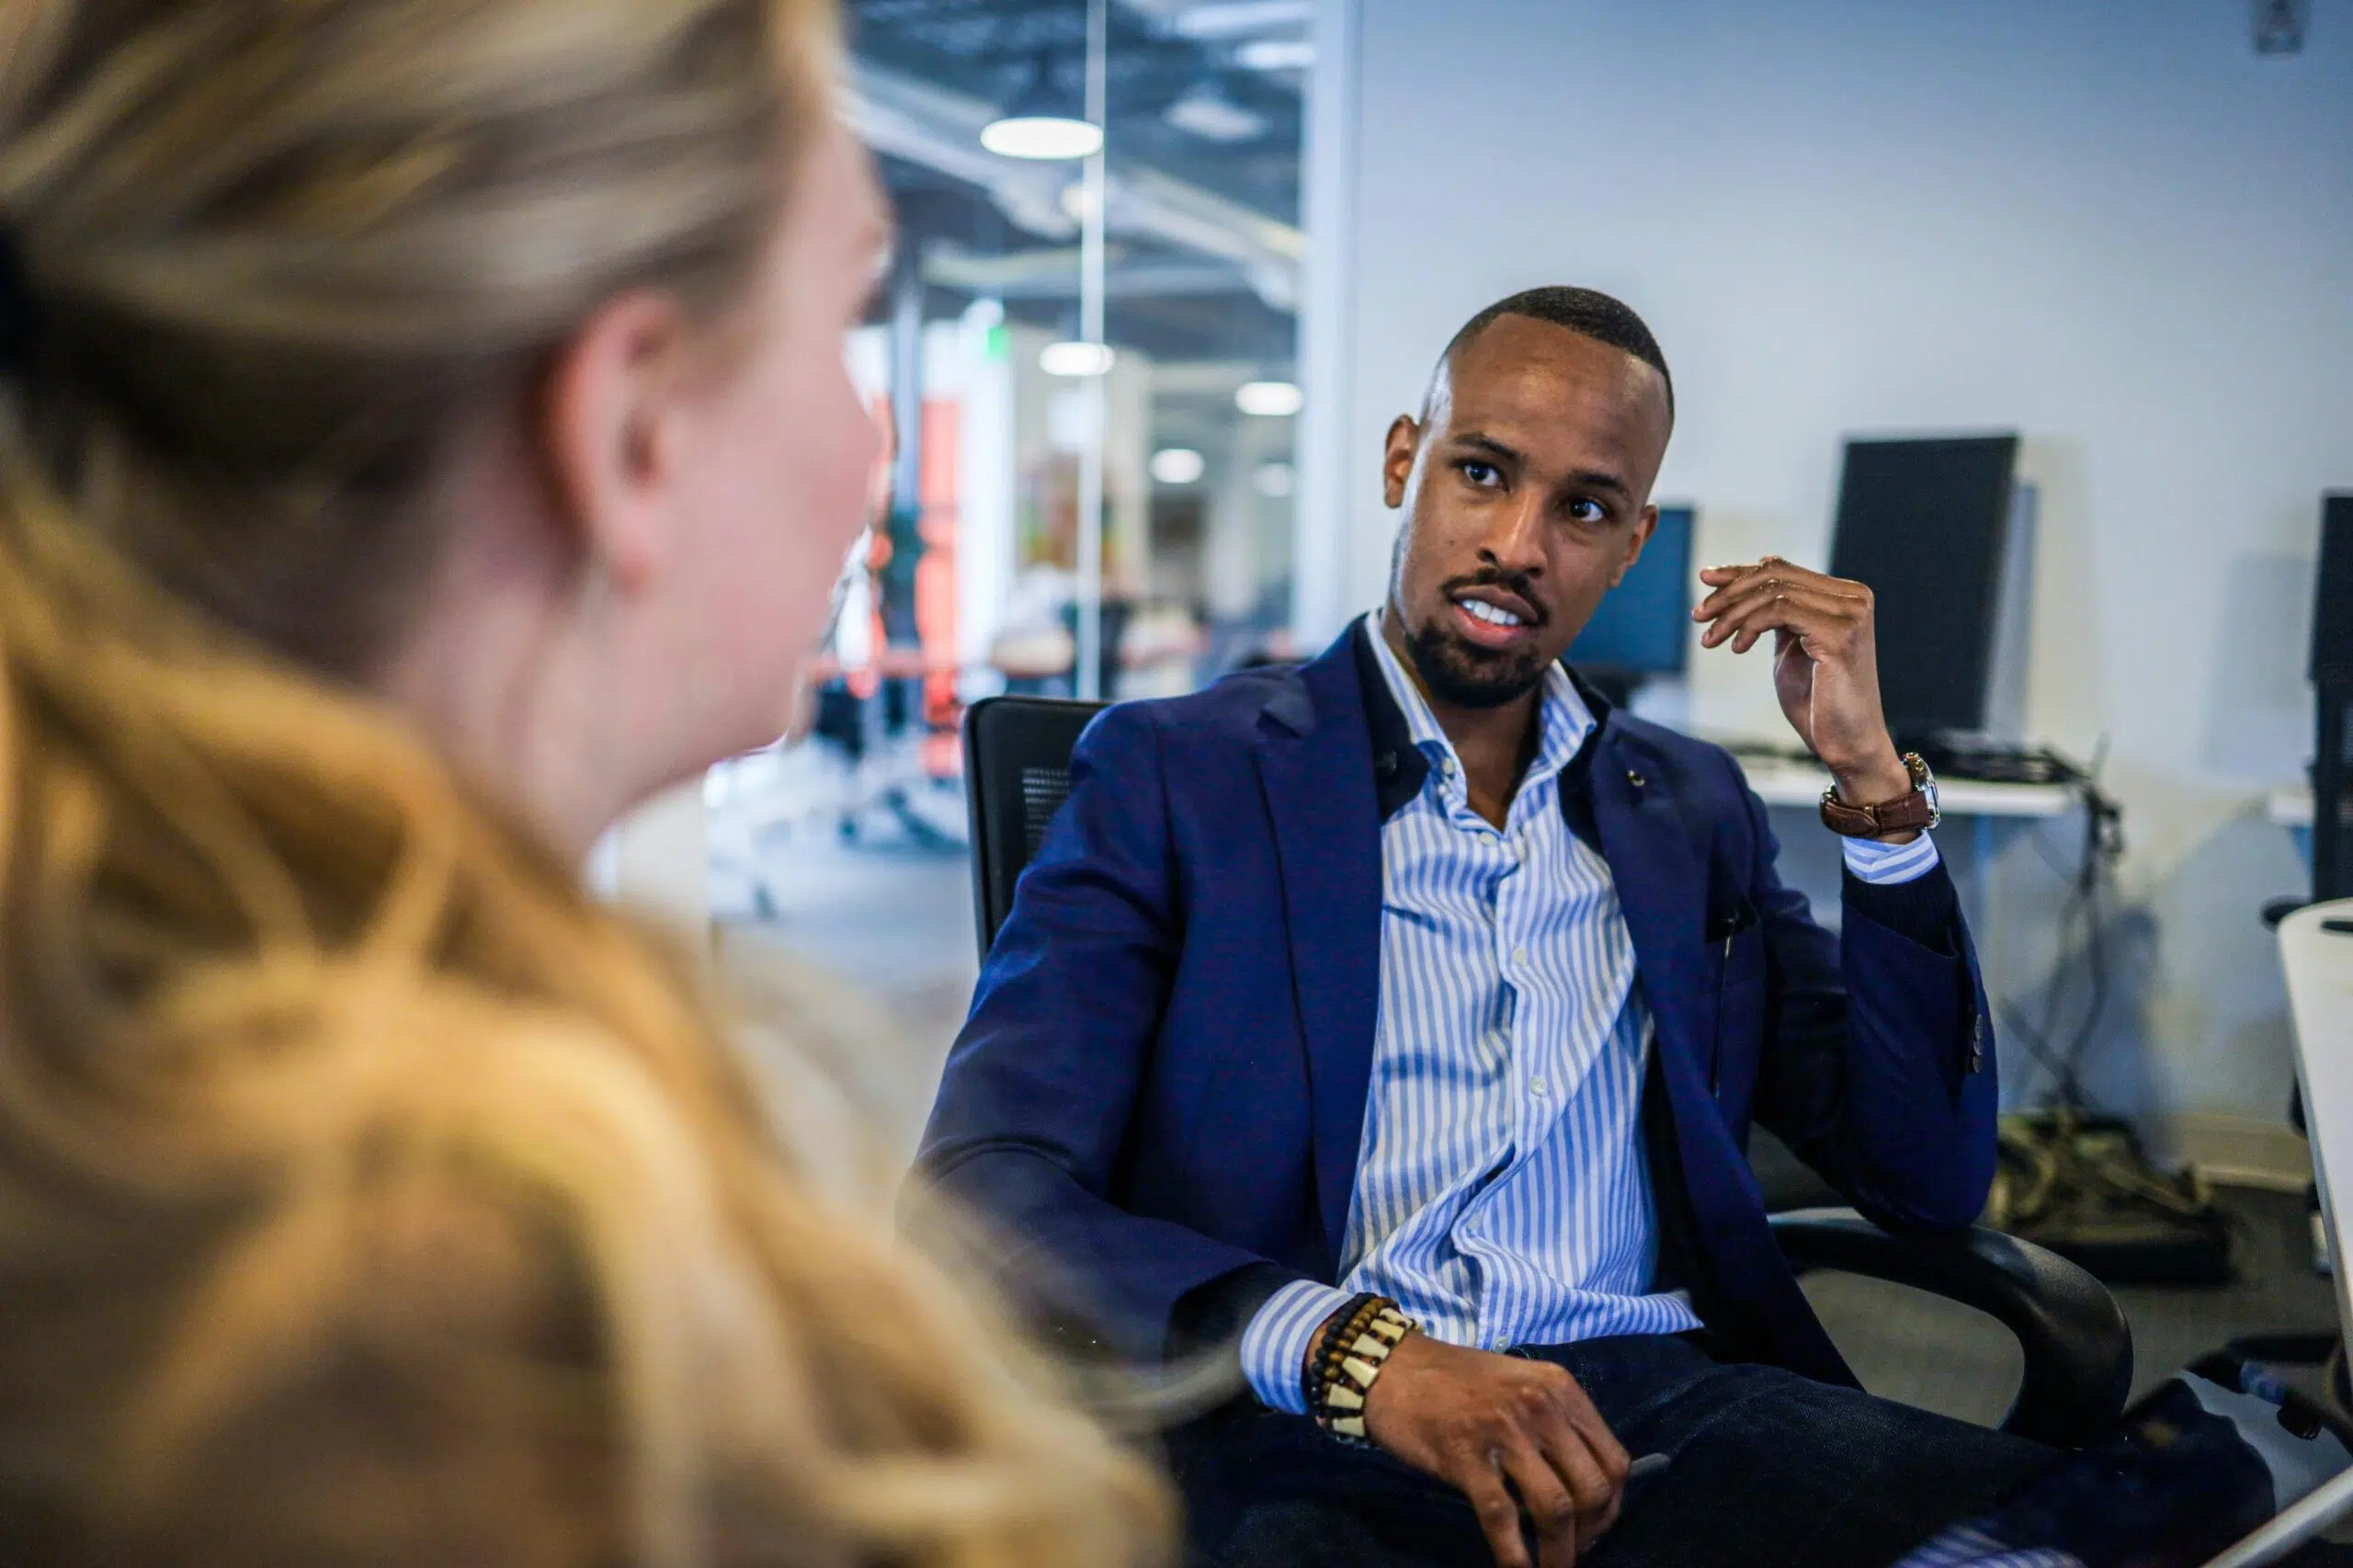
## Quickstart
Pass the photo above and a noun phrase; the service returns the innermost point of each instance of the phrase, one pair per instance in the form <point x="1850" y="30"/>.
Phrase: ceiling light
<point x="1275" y="54"/>
<point x="1076" y="358"/>
<point x="1178" y="465"/>
<point x="1042" y="136"/>
<point x="1268" y="400"/>
<point x="1042" y="123"/>
<point x="1274" y="481"/>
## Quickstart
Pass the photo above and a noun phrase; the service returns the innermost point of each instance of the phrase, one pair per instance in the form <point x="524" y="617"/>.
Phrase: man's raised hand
<point x="1826" y="664"/>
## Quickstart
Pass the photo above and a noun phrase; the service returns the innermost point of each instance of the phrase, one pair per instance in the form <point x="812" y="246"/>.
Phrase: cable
<point x="2103" y="845"/>
<point x="2014" y="1023"/>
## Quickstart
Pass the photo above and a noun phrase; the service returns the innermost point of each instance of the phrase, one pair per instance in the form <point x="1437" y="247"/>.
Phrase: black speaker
<point x="2333" y="596"/>
<point x="2332" y="674"/>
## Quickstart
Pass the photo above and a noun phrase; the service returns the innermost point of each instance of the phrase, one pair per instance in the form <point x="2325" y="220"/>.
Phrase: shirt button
<point x="1519" y="955"/>
<point x="1500" y="1343"/>
<point x="1538" y="1088"/>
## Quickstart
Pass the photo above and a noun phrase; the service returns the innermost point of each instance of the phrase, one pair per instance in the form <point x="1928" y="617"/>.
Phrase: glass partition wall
<point x="1084" y="349"/>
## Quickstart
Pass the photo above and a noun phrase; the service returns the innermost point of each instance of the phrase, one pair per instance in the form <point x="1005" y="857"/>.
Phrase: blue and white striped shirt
<point x="1503" y="1196"/>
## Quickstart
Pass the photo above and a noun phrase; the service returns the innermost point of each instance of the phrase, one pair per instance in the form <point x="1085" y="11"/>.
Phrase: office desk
<point x="1981" y="820"/>
<point x="1778" y="782"/>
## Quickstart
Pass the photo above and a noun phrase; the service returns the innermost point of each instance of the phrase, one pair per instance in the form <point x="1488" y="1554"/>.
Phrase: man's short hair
<point x="1585" y="312"/>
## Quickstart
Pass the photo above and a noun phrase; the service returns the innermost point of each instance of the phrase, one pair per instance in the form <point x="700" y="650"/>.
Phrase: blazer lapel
<point x="1662" y="885"/>
<point x="1315" y="766"/>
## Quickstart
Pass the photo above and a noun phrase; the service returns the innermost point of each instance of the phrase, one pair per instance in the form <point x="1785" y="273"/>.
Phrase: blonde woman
<point x="423" y="433"/>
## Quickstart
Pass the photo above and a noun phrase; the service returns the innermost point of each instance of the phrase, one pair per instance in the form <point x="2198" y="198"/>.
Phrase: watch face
<point x="1925" y="782"/>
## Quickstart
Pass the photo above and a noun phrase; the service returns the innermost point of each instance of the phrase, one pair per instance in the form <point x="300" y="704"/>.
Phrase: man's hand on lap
<point x="1473" y="1420"/>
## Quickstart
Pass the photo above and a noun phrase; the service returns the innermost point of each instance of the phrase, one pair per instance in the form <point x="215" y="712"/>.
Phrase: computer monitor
<point x="1643" y="626"/>
<point x="1925" y="525"/>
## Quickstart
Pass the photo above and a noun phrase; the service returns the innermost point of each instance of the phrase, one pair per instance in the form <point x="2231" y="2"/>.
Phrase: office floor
<point x="890" y="914"/>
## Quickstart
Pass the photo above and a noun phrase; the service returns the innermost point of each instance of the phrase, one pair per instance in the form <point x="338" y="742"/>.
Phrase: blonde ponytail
<point x="369" y="1195"/>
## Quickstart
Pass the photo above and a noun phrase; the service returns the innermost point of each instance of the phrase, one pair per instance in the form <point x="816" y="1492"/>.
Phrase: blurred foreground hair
<point x="368" y="1194"/>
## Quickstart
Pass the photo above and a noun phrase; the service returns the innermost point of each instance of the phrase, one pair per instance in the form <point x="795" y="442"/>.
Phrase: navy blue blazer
<point x="1159" y="1095"/>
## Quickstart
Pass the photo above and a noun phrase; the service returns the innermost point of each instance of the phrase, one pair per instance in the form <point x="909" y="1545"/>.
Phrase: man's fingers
<point x="1768" y="585"/>
<point x="1599" y="1440"/>
<point x="1595" y="1529"/>
<point x="1768" y="590"/>
<point x="1554" y="1511"/>
<point x="1564" y="1422"/>
<point x="1823" y="590"/>
<point x="1731" y="580"/>
<point x="1720" y="577"/>
<point x="1779" y="607"/>
<point x="1498" y="1515"/>
<point x="1586" y="1456"/>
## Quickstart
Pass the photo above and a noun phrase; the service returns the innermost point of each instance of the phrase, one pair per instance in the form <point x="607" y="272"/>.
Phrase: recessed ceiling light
<point x="1268" y="400"/>
<point x="1043" y="120"/>
<point x="1076" y="358"/>
<point x="1042" y="136"/>
<point x="1274" y="481"/>
<point x="1178" y="465"/>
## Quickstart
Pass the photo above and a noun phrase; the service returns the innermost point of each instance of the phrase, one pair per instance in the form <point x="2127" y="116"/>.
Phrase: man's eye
<point x="1479" y="474"/>
<point x="1588" y="512"/>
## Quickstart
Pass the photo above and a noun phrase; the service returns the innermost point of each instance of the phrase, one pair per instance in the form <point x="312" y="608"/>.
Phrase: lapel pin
<point x="1634" y="778"/>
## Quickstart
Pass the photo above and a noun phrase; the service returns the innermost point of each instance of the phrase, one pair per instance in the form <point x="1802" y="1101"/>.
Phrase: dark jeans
<point x="1768" y="1468"/>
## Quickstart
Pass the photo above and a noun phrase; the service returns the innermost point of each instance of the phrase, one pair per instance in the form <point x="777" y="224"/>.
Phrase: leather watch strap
<point x="1904" y="813"/>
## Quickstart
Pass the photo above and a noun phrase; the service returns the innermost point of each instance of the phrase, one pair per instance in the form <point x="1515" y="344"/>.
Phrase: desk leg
<point x="1976" y="898"/>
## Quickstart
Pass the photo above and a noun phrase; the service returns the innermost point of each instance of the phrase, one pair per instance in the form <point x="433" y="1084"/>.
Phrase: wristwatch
<point x="1916" y="810"/>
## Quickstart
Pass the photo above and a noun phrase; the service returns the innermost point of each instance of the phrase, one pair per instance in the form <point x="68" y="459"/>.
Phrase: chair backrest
<point x="2316" y="948"/>
<point x="1017" y="773"/>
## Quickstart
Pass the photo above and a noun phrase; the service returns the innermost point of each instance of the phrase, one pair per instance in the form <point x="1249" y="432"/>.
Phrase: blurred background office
<point x="1168" y="269"/>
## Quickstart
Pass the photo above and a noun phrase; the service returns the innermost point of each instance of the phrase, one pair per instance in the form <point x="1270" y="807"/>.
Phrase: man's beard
<point x="1461" y="674"/>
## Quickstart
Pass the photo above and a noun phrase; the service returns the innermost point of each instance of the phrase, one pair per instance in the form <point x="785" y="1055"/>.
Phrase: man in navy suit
<point x="1420" y="975"/>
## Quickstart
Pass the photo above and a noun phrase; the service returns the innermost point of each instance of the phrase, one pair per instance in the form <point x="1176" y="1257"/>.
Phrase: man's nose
<point x="1515" y="538"/>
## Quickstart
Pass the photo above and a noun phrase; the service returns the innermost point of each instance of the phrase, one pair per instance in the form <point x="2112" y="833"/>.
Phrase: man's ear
<point x="609" y="431"/>
<point x="1397" y="459"/>
<point x="1644" y="526"/>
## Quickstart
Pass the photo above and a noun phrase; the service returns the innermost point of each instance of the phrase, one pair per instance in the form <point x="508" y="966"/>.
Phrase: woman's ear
<point x="610" y="432"/>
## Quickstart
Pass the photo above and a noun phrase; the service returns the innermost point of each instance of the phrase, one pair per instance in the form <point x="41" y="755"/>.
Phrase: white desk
<point x="1979" y="819"/>
<point x="1782" y="783"/>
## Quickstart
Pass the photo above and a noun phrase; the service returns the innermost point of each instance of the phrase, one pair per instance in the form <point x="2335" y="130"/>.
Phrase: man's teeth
<point x="1489" y="613"/>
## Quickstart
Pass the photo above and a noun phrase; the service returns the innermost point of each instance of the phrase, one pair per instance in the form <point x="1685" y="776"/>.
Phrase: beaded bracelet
<point x="1348" y="1358"/>
<point x="1342" y="1327"/>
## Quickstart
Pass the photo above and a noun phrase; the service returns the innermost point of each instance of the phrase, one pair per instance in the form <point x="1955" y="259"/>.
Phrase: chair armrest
<point x="2078" y="1347"/>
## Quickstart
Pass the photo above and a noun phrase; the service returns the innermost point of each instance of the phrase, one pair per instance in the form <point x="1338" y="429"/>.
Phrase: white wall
<point x="2110" y="226"/>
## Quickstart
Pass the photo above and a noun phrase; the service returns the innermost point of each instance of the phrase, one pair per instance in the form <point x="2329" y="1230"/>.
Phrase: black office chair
<point x="2078" y="1348"/>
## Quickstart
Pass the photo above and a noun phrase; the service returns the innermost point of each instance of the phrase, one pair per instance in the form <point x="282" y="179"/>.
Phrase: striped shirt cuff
<point x="1275" y="1345"/>
<point x="1884" y="865"/>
